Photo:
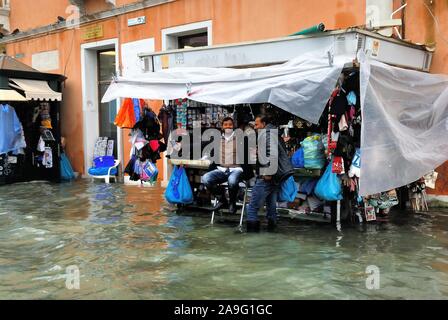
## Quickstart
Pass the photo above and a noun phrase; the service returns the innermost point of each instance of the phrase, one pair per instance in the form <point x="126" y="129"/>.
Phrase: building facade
<point x="89" y="41"/>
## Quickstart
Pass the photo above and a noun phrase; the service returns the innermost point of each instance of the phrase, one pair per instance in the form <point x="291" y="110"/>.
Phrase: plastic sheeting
<point x="405" y="126"/>
<point x="301" y="86"/>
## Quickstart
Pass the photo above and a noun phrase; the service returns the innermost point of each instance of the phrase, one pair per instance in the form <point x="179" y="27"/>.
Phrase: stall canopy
<point x="35" y="89"/>
<point x="301" y="86"/>
<point x="404" y="128"/>
<point x="405" y="113"/>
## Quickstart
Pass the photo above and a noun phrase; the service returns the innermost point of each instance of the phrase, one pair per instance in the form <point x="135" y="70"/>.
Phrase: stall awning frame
<point x="35" y="89"/>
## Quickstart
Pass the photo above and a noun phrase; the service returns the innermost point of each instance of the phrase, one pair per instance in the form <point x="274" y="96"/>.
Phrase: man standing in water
<point x="268" y="181"/>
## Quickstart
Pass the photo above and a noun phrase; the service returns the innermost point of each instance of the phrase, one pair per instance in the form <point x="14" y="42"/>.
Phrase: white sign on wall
<point x="136" y="21"/>
<point x="132" y="64"/>
<point x="46" y="61"/>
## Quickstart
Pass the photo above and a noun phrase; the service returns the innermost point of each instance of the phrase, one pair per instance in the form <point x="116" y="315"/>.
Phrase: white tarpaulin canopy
<point x="404" y="126"/>
<point x="405" y="113"/>
<point x="301" y="86"/>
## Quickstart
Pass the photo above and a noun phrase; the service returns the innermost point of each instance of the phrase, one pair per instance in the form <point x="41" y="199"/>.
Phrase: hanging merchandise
<point x="149" y="125"/>
<point x="41" y="145"/>
<point x="45" y="115"/>
<point x="384" y="200"/>
<point x="130" y="166"/>
<point x="298" y="160"/>
<point x="181" y="113"/>
<point x="138" y="103"/>
<point x="370" y="212"/>
<point x="5" y="168"/>
<point x="138" y="139"/>
<point x="430" y="179"/>
<point x="343" y="125"/>
<point x="288" y="190"/>
<point x="48" y="158"/>
<point x="329" y="186"/>
<point x="355" y="168"/>
<point x="351" y="98"/>
<point x="338" y="165"/>
<point x="150" y="169"/>
<point x="313" y="152"/>
<point x="166" y="117"/>
<point x="179" y="189"/>
<point x="66" y="168"/>
<point x="11" y="131"/>
<point x="126" y="116"/>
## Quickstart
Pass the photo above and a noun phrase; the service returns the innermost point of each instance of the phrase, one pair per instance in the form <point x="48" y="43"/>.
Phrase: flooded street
<point x="128" y="244"/>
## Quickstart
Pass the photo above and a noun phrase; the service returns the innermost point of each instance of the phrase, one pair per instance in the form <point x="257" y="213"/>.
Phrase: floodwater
<point x="128" y="244"/>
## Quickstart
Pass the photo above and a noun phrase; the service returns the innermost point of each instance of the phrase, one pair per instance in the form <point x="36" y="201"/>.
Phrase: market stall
<point x="372" y="127"/>
<point x="30" y="139"/>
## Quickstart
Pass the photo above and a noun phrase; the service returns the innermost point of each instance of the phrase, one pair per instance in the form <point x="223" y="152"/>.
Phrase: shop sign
<point x="136" y="21"/>
<point x="165" y="61"/>
<point x="93" y="32"/>
<point x="375" y="48"/>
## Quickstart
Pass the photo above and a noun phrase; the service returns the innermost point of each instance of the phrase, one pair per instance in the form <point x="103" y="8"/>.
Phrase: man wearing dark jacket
<point x="269" y="180"/>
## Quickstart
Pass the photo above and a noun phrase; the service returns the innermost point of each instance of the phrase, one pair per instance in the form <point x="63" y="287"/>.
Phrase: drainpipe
<point x="403" y="19"/>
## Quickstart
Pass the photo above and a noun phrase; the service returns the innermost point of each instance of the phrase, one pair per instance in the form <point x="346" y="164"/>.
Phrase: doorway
<point x="99" y="64"/>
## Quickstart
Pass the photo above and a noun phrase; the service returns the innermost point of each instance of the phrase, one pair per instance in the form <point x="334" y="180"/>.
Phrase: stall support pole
<point x="338" y="215"/>
<point x="244" y="208"/>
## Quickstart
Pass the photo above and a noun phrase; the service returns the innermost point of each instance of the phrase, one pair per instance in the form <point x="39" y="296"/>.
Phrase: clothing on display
<point x="11" y="131"/>
<point x="167" y="114"/>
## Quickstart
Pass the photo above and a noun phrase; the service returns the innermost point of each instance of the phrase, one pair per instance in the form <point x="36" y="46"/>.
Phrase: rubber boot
<point x="272" y="225"/>
<point x="232" y="201"/>
<point x="253" y="226"/>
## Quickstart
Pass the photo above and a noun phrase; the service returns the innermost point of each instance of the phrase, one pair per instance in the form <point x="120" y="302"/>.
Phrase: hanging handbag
<point x="150" y="169"/>
<point x="338" y="165"/>
<point x="179" y="189"/>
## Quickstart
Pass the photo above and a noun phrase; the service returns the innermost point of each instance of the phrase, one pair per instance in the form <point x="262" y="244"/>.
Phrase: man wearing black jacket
<point x="269" y="180"/>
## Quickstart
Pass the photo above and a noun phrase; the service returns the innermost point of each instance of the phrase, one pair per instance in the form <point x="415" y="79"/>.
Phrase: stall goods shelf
<point x="194" y="164"/>
<point x="302" y="172"/>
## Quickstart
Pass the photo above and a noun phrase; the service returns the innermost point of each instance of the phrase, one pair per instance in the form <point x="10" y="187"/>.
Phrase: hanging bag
<point x="298" y="160"/>
<point x="179" y="189"/>
<point x="67" y="173"/>
<point x="288" y="190"/>
<point x="150" y="169"/>
<point x="313" y="152"/>
<point x="329" y="186"/>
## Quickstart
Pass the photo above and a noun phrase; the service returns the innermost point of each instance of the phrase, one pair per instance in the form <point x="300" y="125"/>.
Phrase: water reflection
<point x="128" y="244"/>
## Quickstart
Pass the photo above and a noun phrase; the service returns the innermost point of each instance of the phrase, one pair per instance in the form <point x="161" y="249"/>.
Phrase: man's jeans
<point x="263" y="191"/>
<point x="216" y="177"/>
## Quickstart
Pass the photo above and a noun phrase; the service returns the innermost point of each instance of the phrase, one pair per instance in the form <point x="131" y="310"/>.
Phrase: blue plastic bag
<point x="104" y="162"/>
<point x="66" y="169"/>
<point x="298" y="160"/>
<point x="329" y="186"/>
<point x="288" y="190"/>
<point x="179" y="189"/>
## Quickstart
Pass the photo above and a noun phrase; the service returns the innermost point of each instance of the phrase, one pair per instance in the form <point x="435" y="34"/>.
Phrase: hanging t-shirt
<point x="11" y="132"/>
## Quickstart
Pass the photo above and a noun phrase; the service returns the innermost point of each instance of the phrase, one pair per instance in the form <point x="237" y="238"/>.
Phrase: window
<point x="193" y="41"/>
<point x="198" y="34"/>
